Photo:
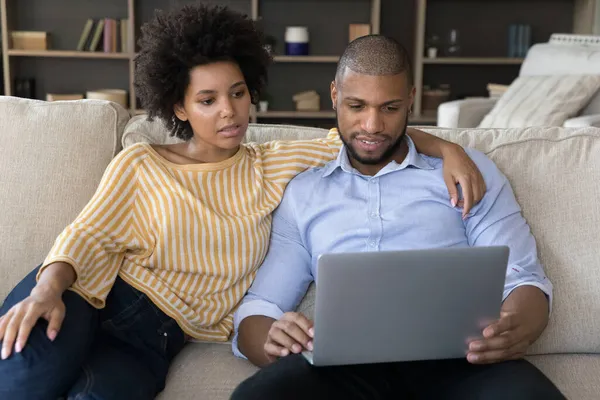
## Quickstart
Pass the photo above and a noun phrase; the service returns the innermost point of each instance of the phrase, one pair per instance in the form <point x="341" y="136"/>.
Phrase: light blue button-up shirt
<point x="405" y="206"/>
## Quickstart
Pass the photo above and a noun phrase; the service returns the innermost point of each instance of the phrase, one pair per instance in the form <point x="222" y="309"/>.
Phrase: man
<point x="380" y="194"/>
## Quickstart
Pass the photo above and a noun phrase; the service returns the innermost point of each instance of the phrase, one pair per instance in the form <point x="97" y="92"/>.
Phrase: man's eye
<point x="355" y="106"/>
<point x="391" y="109"/>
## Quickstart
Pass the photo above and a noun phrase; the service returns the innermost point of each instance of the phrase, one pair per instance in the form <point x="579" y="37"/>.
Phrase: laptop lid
<point x="392" y="306"/>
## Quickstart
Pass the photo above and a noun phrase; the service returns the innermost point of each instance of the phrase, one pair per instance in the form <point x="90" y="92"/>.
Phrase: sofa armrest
<point x="464" y="113"/>
<point x="583" y="121"/>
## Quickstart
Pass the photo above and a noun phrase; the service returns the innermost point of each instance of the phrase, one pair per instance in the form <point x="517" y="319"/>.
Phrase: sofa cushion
<point x="205" y="371"/>
<point x="562" y="59"/>
<point x="555" y="173"/>
<point x="52" y="157"/>
<point x="542" y="101"/>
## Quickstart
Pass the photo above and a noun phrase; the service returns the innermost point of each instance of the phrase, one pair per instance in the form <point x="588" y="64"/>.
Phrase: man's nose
<point x="372" y="123"/>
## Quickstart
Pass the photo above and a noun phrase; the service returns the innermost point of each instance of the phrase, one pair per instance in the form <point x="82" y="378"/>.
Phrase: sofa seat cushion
<point x="205" y="371"/>
<point x="52" y="156"/>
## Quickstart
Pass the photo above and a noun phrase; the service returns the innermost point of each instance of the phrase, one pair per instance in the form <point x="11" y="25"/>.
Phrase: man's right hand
<point x="292" y="333"/>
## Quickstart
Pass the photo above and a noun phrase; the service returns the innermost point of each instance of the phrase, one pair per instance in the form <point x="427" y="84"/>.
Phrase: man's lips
<point x="369" y="143"/>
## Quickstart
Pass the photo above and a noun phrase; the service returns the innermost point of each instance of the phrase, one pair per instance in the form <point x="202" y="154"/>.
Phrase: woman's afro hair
<point x="174" y="42"/>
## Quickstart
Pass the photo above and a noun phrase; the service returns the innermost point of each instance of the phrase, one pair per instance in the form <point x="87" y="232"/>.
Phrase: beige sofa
<point x="52" y="156"/>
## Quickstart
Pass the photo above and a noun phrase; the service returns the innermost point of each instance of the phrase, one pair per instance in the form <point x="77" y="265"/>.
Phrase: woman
<point x="171" y="240"/>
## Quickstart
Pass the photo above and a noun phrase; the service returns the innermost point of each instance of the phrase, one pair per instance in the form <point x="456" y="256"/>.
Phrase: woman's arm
<point x="458" y="168"/>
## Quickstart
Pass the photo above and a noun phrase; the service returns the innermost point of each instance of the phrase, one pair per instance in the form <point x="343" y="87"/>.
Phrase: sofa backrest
<point x="564" y="58"/>
<point x="52" y="156"/>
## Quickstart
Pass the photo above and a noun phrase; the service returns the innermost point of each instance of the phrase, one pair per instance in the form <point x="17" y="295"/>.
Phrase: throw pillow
<point x="542" y="101"/>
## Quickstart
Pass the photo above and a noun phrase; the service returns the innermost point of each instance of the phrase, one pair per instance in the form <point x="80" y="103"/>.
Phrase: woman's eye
<point x="207" y="102"/>
<point x="239" y="94"/>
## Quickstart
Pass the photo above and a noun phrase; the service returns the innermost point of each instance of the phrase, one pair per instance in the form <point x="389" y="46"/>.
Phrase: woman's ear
<point x="180" y="112"/>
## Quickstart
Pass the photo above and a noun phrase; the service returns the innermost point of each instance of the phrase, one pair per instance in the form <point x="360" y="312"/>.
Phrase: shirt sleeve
<point x="497" y="220"/>
<point x="95" y="243"/>
<point x="284" y="276"/>
<point x="283" y="160"/>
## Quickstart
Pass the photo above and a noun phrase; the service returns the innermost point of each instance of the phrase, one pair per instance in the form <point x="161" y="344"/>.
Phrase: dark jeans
<point x="120" y="352"/>
<point x="293" y="378"/>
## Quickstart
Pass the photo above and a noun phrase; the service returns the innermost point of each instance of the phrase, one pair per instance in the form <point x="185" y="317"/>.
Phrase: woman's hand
<point x="460" y="169"/>
<point x="16" y="325"/>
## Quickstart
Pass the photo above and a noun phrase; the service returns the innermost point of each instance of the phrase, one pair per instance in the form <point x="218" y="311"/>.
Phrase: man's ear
<point x="180" y="112"/>
<point x="334" y="95"/>
<point x="411" y="97"/>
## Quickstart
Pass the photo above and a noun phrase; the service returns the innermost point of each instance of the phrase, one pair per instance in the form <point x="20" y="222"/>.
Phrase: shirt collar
<point x="413" y="159"/>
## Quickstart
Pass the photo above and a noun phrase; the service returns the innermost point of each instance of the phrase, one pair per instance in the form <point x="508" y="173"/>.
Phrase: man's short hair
<point x="375" y="55"/>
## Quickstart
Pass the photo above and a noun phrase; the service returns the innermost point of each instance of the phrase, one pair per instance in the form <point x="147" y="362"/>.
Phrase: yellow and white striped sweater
<point x="190" y="237"/>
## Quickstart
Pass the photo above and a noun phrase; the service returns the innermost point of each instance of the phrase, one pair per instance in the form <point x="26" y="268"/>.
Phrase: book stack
<point x="109" y="35"/>
<point x="519" y="40"/>
<point x="495" y="90"/>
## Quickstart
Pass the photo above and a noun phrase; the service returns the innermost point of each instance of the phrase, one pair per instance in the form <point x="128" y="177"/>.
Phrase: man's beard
<point x="386" y="155"/>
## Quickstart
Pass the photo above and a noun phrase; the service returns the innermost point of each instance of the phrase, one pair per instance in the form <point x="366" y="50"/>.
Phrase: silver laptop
<point x="404" y="305"/>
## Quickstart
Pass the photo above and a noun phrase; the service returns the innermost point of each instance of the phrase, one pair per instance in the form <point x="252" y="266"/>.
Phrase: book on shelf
<point x="85" y="35"/>
<point x="109" y="35"/>
<point x="519" y="40"/>
<point x="97" y="35"/>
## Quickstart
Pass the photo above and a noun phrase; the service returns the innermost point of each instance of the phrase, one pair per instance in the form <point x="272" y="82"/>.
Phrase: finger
<point x="273" y="350"/>
<point x="297" y="333"/>
<point x="452" y="189"/>
<point x="467" y="191"/>
<point x="57" y="317"/>
<point x="11" y="333"/>
<point x="4" y="323"/>
<point x="281" y="338"/>
<point x="27" y="324"/>
<point x="488" y="357"/>
<point x="504" y="324"/>
<point x="300" y="319"/>
<point x="505" y="341"/>
<point x="478" y="189"/>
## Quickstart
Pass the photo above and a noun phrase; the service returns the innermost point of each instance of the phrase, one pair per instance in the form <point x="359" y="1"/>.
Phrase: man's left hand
<point x="523" y="317"/>
<point x="506" y="339"/>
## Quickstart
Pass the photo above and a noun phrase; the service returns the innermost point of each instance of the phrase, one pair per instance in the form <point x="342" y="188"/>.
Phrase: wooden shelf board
<point x="474" y="60"/>
<point x="68" y="54"/>
<point x="307" y="59"/>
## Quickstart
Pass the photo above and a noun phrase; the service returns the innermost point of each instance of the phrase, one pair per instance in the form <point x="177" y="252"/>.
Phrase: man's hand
<point x="506" y="339"/>
<point x="460" y="169"/>
<point x="292" y="333"/>
<point x="522" y="320"/>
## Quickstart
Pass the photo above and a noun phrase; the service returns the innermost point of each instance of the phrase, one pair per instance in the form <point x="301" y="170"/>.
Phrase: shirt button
<point x="374" y="215"/>
<point x="372" y="243"/>
<point x="373" y="181"/>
